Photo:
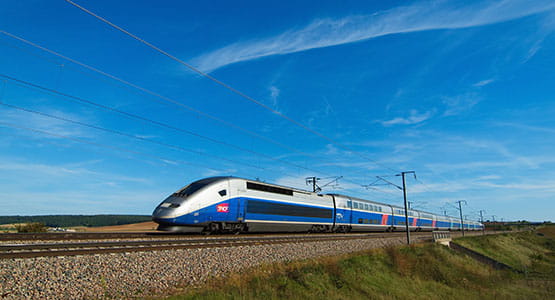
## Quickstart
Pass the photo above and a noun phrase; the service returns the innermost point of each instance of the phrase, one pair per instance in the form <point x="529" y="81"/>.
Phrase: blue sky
<point x="461" y="92"/>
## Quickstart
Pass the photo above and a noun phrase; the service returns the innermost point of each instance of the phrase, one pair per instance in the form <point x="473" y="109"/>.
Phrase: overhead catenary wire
<point x="230" y="88"/>
<point x="167" y="100"/>
<point x="162" y="99"/>
<point x="74" y="139"/>
<point x="127" y="135"/>
<point x="100" y="145"/>
<point x="147" y="120"/>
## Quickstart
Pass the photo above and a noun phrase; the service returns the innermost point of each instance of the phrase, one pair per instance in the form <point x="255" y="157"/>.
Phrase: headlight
<point x="170" y="205"/>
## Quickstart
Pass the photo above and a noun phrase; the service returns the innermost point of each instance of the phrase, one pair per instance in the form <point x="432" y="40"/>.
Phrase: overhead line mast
<point x="461" y="214"/>
<point x="232" y="89"/>
<point x="404" y="189"/>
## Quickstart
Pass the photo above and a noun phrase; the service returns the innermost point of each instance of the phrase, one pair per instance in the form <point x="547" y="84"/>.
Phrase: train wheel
<point x="239" y="228"/>
<point x="211" y="228"/>
<point x="343" y="229"/>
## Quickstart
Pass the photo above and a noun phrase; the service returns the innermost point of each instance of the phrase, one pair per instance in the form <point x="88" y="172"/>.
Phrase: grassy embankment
<point x="417" y="272"/>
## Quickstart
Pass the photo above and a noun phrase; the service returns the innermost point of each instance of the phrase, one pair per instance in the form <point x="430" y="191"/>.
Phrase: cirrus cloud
<point x="431" y="15"/>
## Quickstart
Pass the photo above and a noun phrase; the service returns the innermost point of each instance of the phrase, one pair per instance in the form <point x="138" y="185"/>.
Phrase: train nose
<point x="166" y="210"/>
<point x="164" y="213"/>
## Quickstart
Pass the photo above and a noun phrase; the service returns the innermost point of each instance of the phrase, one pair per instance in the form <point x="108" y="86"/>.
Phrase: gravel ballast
<point x="140" y="274"/>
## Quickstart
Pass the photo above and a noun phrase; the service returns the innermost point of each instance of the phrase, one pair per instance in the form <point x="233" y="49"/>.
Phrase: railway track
<point x="81" y="236"/>
<point x="68" y="236"/>
<point x="30" y="250"/>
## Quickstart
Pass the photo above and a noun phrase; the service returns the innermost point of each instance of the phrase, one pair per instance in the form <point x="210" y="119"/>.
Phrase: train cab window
<point x="222" y="192"/>
<point x="196" y="186"/>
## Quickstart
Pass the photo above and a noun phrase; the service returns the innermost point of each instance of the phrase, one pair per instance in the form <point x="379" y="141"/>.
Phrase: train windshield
<point x="195" y="186"/>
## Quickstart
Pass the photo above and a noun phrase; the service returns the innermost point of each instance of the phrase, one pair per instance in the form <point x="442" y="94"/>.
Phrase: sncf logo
<point x="223" y="208"/>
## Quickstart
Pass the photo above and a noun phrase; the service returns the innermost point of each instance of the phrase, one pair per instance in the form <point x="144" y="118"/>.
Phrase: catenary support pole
<point x="406" y="208"/>
<point x="482" y="221"/>
<point x="461" y="214"/>
<point x="406" y="204"/>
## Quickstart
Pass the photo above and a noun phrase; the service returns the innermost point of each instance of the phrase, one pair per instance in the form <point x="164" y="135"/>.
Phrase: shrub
<point x="30" y="227"/>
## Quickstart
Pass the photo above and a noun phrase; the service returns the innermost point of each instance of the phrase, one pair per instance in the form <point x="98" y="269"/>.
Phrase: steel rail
<point x="80" y="235"/>
<point x="72" y="249"/>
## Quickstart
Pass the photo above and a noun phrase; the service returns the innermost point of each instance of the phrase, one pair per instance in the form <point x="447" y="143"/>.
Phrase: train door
<point x="392" y="222"/>
<point x="225" y="209"/>
<point x="350" y="210"/>
<point x="240" y="209"/>
<point x="334" y="211"/>
<point x="236" y="203"/>
<point x="417" y="221"/>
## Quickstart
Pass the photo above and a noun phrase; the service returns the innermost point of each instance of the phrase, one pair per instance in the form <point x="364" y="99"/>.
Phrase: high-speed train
<point x="231" y="204"/>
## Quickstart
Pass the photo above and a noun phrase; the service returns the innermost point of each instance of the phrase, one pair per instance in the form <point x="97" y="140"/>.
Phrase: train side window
<point x="355" y="204"/>
<point x="269" y="188"/>
<point x="222" y="192"/>
<point x="349" y="204"/>
<point x="366" y="206"/>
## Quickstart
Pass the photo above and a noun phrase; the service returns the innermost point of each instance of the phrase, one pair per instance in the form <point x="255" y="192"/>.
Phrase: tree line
<point x="76" y="220"/>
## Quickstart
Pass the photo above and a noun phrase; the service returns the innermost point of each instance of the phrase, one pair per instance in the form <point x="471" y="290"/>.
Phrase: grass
<point x="530" y="252"/>
<point x="416" y="272"/>
<point x="548" y="231"/>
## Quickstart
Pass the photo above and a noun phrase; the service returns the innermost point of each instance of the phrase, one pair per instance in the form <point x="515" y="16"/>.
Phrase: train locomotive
<point x="234" y="205"/>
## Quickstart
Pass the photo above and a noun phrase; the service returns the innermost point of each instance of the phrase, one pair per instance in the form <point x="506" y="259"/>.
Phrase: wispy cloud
<point x="55" y="171"/>
<point x="489" y="177"/>
<point x="351" y="165"/>
<point x="76" y="201"/>
<point x="546" y="185"/>
<point x="45" y="123"/>
<point x="328" y="32"/>
<point x="547" y="29"/>
<point x="414" y="118"/>
<point x="460" y="104"/>
<point x="483" y="82"/>
<point x="274" y="94"/>
<point x="526" y="127"/>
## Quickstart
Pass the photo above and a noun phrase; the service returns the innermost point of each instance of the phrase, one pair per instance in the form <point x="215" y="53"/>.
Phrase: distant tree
<point x="31" y="227"/>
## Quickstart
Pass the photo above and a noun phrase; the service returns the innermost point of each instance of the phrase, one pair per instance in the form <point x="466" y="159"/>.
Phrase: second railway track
<point x="30" y="250"/>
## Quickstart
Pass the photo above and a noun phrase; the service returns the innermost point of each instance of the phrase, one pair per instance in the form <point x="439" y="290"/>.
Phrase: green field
<point x="416" y="272"/>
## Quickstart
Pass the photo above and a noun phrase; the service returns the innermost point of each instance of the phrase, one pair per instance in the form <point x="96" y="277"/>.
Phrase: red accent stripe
<point x="414" y="221"/>
<point x="384" y="219"/>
